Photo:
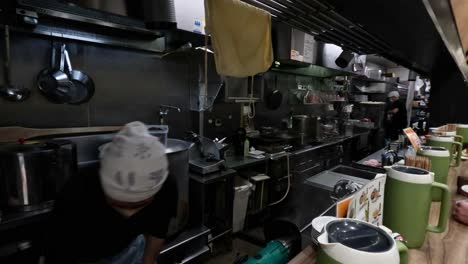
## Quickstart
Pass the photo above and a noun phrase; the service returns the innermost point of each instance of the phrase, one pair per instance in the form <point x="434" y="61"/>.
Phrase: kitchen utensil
<point x="452" y="143"/>
<point x="389" y="158"/>
<point x="350" y="241"/>
<point x="9" y="91"/>
<point x="301" y="125"/>
<point x="54" y="83"/>
<point x="12" y="134"/>
<point x="408" y="201"/>
<point x="32" y="174"/>
<point x="177" y="152"/>
<point x="83" y="86"/>
<point x="462" y="130"/>
<point x="207" y="156"/>
<point x="440" y="162"/>
<point x="315" y="132"/>
<point x="273" y="97"/>
<point x="344" y="188"/>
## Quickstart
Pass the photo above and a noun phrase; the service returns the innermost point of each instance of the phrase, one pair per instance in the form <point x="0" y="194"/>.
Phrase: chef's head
<point x="134" y="166"/>
<point x="393" y="96"/>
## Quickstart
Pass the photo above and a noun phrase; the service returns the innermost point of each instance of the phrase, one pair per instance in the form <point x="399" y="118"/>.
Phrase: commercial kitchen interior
<point x="255" y="158"/>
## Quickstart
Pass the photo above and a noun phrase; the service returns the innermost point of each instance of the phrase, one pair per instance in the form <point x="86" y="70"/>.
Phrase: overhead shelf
<point x="311" y="71"/>
<point x="321" y="20"/>
<point x="153" y="45"/>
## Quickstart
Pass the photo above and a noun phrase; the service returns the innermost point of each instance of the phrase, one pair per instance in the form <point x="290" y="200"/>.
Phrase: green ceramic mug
<point x="462" y="130"/>
<point x="408" y="201"/>
<point x="440" y="159"/>
<point x="449" y="142"/>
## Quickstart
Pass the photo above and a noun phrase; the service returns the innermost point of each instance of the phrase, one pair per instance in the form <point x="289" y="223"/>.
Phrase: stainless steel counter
<point x="378" y="155"/>
<point x="238" y="162"/>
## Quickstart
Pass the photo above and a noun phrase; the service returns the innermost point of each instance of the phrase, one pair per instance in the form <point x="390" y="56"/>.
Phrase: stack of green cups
<point x="450" y="143"/>
<point x="440" y="159"/>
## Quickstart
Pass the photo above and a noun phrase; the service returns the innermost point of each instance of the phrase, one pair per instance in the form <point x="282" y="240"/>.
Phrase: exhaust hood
<point x="149" y="17"/>
<point x="83" y="14"/>
<point x="99" y="21"/>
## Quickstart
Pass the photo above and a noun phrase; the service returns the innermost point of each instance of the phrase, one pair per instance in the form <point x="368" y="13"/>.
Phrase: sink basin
<point x="327" y="179"/>
<point x="354" y="172"/>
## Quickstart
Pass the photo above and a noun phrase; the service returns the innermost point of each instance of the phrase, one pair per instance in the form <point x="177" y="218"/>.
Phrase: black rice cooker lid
<point x="410" y="170"/>
<point x="359" y="235"/>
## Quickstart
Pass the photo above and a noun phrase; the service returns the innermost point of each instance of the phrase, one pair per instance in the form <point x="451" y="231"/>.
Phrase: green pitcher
<point x="440" y="159"/>
<point x="452" y="143"/>
<point x="462" y="130"/>
<point x="407" y="203"/>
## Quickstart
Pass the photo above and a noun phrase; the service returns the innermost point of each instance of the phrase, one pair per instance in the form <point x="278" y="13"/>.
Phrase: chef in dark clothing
<point x="118" y="211"/>
<point x="396" y="116"/>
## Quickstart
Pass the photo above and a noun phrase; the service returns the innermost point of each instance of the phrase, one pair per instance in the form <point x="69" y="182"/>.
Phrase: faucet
<point x="164" y="110"/>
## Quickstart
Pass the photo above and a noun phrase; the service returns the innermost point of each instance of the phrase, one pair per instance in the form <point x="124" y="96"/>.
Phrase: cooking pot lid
<point x="359" y="235"/>
<point x="410" y="170"/>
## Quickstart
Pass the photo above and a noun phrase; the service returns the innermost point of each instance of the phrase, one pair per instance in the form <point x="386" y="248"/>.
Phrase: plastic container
<point x="159" y="131"/>
<point x="242" y="190"/>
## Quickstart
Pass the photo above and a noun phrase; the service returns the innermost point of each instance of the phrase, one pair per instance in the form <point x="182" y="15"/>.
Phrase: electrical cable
<point x="289" y="183"/>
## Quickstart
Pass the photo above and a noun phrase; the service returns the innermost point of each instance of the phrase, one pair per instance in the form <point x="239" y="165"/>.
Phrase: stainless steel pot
<point x="315" y="132"/>
<point x="32" y="174"/>
<point x="178" y="155"/>
<point x="301" y="125"/>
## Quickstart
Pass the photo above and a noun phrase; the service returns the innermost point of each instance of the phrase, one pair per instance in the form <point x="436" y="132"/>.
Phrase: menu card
<point x="367" y="203"/>
<point x="413" y="138"/>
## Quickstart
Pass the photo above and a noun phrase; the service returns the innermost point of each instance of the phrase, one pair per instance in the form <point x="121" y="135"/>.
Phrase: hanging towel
<point x="241" y="37"/>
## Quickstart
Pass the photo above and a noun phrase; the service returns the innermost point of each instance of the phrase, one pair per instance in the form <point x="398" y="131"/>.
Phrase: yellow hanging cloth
<point x="241" y="37"/>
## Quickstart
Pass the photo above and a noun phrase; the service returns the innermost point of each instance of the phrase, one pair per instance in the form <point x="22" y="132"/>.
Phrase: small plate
<point x="320" y="222"/>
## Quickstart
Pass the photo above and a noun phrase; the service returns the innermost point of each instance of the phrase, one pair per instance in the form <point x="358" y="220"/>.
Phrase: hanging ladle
<point x="8" y="90"/>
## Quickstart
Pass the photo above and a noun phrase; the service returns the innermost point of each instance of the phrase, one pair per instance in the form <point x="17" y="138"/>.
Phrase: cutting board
<point x="12" y="134"/>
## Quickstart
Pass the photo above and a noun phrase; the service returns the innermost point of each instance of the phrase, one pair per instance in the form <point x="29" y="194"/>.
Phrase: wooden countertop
<point x="450" y="247"/>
